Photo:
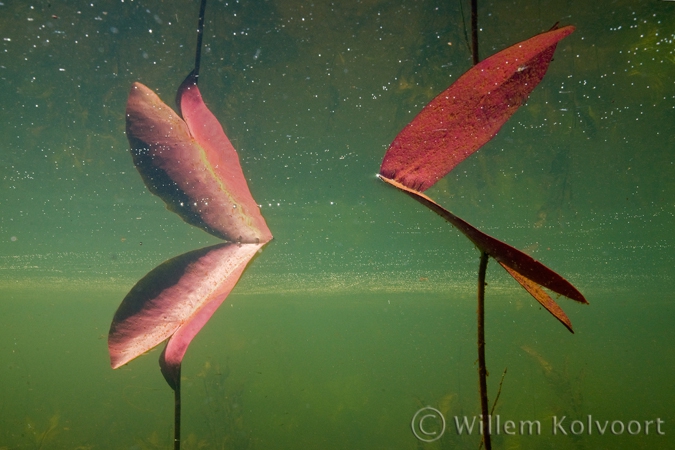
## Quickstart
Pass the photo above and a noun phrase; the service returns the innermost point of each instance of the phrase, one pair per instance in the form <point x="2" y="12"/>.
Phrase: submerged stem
<point x="499" y="392"/>
<point x="200" y="35"/>
<point x="474" y="31"/>
<point x="482" y="370"/>
<point x="482" y="268"/>
<point x="176" y="416"/>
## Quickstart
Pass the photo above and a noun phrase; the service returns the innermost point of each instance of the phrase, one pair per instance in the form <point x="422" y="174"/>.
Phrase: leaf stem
<point x="482" y="370"/>
<point x="200" y="35"/>
<point x="474" y="31"/>
<point x="176" y="419"/>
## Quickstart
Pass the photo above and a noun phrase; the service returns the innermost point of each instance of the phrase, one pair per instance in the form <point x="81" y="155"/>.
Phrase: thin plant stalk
<point x="474" y="31"/>
<point x="176" y="391"/>
<point x="200" y="35"/>
<point x="482" y="268"/>
<point x="176" y="415"/>
<point x="482" y="369"/>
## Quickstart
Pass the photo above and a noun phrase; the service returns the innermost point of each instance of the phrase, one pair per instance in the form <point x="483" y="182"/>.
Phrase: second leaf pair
<point x="461" y="120"/>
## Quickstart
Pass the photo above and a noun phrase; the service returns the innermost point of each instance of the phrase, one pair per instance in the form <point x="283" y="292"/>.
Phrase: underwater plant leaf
<point x="469" y="113"/>
<point x="503" y="253"/>
<point x="175" y="300"/>
<point x="542" y="297"/>
<point x="192" y="165"/>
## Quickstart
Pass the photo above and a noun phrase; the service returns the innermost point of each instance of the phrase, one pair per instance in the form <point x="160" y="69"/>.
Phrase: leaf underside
<point x="527" y="271"/>
<point x="469" y="113"/>
<point x="457" y="123"/>
<point x="190" y="163"/>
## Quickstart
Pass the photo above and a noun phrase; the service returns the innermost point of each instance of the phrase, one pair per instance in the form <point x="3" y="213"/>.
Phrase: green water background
<point x="362" y="309"/>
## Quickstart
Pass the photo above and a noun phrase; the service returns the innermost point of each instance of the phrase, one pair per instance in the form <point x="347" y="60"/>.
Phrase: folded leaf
<point x="469" y="113"/>
<point x="192" y="165"/>
<point x="194" y="168"/>
<point x="542" y="297"/>
<point x="508" y="256"/>
<point x="175" y="300"/>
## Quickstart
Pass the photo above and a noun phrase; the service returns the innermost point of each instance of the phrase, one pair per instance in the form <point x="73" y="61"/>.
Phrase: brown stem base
<point x="482" y="370"/>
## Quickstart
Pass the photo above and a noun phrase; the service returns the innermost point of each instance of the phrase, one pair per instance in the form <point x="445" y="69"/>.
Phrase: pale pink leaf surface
<point x="222" y="161"/>
<point x="176" y="298"/>
<point x="198" y="176"/>
<point x="194" y="168"/>
<point x="469" y="113"/>
<point x="175" y="349"/>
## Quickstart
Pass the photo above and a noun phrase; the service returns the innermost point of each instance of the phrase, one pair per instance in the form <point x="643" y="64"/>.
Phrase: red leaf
<point x="542" y="297"/>
<point x="175" y="300"/>
<point x="192" y="165"/>
<point x="469" y="113"/>
<point x="506" y="255"/>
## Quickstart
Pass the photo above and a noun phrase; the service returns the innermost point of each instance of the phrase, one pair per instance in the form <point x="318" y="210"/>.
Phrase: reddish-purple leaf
<point x="541" y="296"/>
<point x="469" y="113"/>
<point x="175" y="300"/>
<point x="511" y="257"/>
<point x="192" y="165"/>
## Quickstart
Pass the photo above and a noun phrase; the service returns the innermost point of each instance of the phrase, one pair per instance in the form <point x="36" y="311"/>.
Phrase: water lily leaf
<point x="508" y="256"/>
<point x="192" y="165"/>
<point x="175" y="300"/>
<point x="469" y="113"/>
<point x="541" y="296"/>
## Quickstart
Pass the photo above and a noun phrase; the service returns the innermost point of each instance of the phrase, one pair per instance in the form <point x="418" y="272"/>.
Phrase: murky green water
<point x="362" y="310"/>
